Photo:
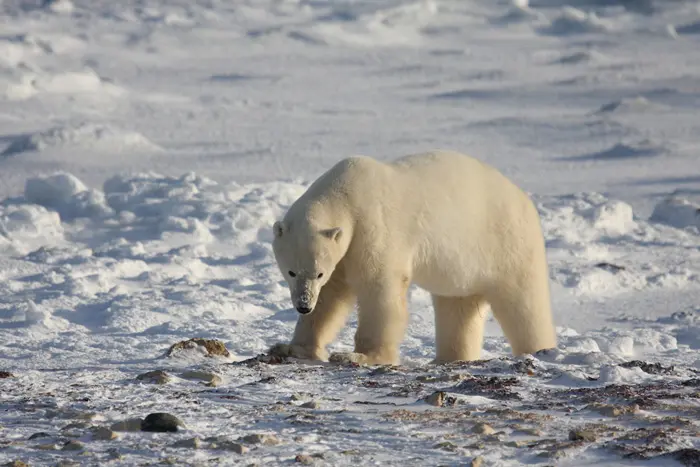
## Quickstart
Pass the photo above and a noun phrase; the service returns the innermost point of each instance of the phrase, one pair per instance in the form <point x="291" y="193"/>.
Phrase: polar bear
<point x="366" y="230"/>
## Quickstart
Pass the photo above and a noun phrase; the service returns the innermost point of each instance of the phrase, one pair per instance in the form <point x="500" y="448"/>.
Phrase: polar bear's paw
<point x="347" y="358"/>
<point x="297" y="351"/>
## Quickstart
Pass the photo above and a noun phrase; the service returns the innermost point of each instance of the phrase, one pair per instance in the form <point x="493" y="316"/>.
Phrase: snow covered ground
<point x="146" y="148"/>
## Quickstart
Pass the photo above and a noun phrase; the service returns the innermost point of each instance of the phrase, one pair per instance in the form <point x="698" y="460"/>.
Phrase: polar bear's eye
<point x="320" y="275"/>
<point x="291" y="274"/>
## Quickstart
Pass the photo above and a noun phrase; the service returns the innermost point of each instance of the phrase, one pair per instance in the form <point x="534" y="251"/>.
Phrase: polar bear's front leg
<point x="314" y="331"/>
<point x="382" y="321"/>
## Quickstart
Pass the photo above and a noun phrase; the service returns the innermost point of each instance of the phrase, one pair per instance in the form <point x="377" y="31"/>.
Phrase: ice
<point x="677" y="212"/>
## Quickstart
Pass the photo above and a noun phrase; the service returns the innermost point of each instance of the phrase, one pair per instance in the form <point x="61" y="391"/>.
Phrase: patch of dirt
<point x="651" y="368"/>
<point x="213" y="347"/>
<point x="493" y="387"/>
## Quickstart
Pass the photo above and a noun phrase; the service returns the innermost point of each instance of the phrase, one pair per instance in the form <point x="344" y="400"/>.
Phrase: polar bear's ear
<point x="278" y="229"/>
<point x="334" y="233"/>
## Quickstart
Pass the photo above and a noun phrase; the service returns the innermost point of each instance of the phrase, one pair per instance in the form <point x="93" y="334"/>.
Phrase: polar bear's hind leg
<point x="526" y="319"/>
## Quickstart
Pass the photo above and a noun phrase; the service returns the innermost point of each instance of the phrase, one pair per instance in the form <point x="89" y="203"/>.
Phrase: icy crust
<point x="142" y="255"/>
<point x="83" y="136"/>
<point x="592" y="242"/>
<point x="677" y="212"/>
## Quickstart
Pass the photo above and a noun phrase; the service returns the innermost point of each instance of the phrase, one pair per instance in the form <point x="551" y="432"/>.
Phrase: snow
<point x="146" y="150"/>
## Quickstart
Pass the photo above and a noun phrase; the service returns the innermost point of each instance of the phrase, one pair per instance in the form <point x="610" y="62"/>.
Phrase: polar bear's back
<point x="459" y="220"/>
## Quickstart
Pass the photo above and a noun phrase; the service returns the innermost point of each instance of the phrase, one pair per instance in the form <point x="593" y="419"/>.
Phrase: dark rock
<point x="610" y="267"/>
<point x="582" y="435"/>
<point x="6" y="374"/>
<point x="73" y="446"/>
<point x="304" y="459"/>
<point x="436" y="399"/>
<point x="689" y="457"/>
<point x="446" y="445"/>
<point x="192" y="443"/>
<point x="103" y="434"/>
<point x="161" y="422"/>
<point x="40" y="435"/>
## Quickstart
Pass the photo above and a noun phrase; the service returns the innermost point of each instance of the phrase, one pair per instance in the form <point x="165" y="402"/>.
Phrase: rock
<point x="267" y="440"/>
<point x="16" y="464"/>
<point x="114" y="454"/>
<point x="517" y="444"/>
<point x="103" y="434"/>
<point x="613" y="410"/>
<point x="66" y="463"/>
<point x="498" y="437"/>
<point x="156" y="377"/>
<point x="39" y="435"/>
<point x="226" y="445"/>
<point x="210" y="347"/>
<point x="235" y="447"/>
<point x="3" y="375"/>
<point x="436" y="399"/>
<point x="131" y="424"/>
<point x="46" y="447"/>
<point x="73" y="445"/>
<point x="477" y="461"/>
<point x="304" y="459"/>
<point x="212" y="379"/>
<point x="310" y="405"/>
<point x="582" y="435"/>
<point x="483" y="429"/>
<point x="192" y="443"/>
<point x="161" y="422"/>
<point x="446" y="445"/>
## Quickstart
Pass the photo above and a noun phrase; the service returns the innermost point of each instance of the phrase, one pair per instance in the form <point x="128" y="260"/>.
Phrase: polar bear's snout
<point x="305" y="302"/>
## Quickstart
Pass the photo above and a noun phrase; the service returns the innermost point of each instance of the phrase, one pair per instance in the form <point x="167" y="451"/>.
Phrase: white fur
<point x="441" y="220"/>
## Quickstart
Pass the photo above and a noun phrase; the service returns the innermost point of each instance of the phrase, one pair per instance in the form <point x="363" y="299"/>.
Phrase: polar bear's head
<point x="307" y="257"/>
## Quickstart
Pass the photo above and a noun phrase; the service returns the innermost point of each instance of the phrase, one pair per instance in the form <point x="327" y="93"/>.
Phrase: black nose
<point x="304" y="310"/>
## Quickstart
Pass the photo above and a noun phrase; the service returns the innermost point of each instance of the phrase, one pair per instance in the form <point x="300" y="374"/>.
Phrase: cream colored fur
<point x="444" y="221"/>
